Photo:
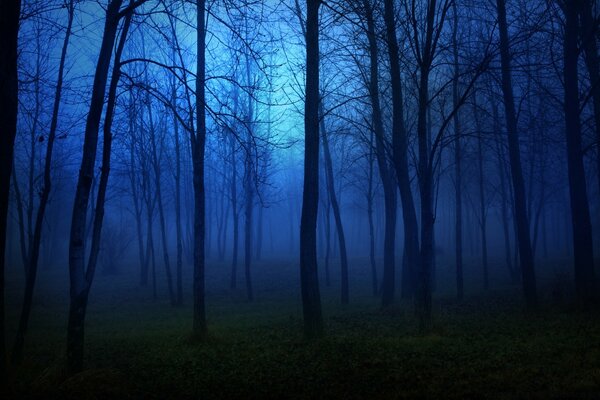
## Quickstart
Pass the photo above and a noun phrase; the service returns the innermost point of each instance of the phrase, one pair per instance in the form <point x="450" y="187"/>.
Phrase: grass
<point x="139" y="348"/>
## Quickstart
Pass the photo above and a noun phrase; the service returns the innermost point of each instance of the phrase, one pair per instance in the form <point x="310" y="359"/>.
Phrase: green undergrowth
<point x="484" y="347"/>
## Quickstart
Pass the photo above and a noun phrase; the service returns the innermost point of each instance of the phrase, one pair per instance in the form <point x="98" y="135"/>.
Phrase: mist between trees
<point x="442" y="147"/>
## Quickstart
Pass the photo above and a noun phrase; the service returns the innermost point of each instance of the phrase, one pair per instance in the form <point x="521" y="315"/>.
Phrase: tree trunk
<point x="457" y="165"/>
<point x="198" y="142"/>
<point x="179" y="231"/>
<point x="248" y="215"/>
<point x="482" y="198"/>
<point x="259" y="232"/>
<point x="327" y="214"/>
<point x="336" y="209"/>
<point x="400" y="156"/>
<point x="34" y="250"/>
<point x="370" y="196"/>
<point x="389" y="189"/>
<point x="9" y="29"/>
<point x="520" y="203"/>
<point x="81" y="277"/>
<point x="161" y="212"/>
<point x="585" y="279"/>
<point x="311" y="299"/>
<point x="589" y="30"/>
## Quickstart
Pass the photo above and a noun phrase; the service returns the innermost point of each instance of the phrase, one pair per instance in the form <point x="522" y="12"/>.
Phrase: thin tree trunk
<point x="520" y="202"/>
<point x="178" y="228"/>
<point x="585" y="279"/>
<point x="34" y="250"/>
<point x="370" y="196"/>
<point x="198" y="142"/>
<point x="161" y="212"/>
<point x="336" y="210"/>
<point x="457" y="165"/>
<point x="482" y="198"/>
<point x="259" y="232"/>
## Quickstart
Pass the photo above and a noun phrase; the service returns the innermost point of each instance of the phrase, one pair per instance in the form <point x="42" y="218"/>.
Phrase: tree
<point x="520" y="207"/>
<point x="336" y="208"/>
<point x="81" y="276"/>
<point x="311" y="300"/>
<point x="198" y="144"/>
<point x="389" y="270"/>
<point x="400" y="157"/>
<point x="457" y="161"/>
<point x="585" y="279"/>
<point x="34" y="248"/>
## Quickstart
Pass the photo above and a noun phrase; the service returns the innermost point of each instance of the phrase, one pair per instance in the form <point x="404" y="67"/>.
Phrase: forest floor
<point x="137" y="347"/>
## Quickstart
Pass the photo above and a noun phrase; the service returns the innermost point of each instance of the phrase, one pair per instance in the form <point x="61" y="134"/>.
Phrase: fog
<point x="219" y="158"/>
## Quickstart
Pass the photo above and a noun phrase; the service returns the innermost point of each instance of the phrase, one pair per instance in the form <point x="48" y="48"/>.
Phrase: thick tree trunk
<point x="311" y="299"/>
<point x="34" y="250"/>
<point x="400" y="155"/>
<point x="388" y="285"/>
<point x="585" y="279"/>
<point x="424" y="291"/>
<point x="82" y="277"/>
<point x="336" y="210"/>
<point x="9" y="30"/>
<point x="520" y="202"/>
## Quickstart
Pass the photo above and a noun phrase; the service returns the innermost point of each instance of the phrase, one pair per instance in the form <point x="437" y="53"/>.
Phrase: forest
<point x="299" y="199"/>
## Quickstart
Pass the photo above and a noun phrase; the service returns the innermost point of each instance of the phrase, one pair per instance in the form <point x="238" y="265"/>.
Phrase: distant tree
<point x="332" y="196"/>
